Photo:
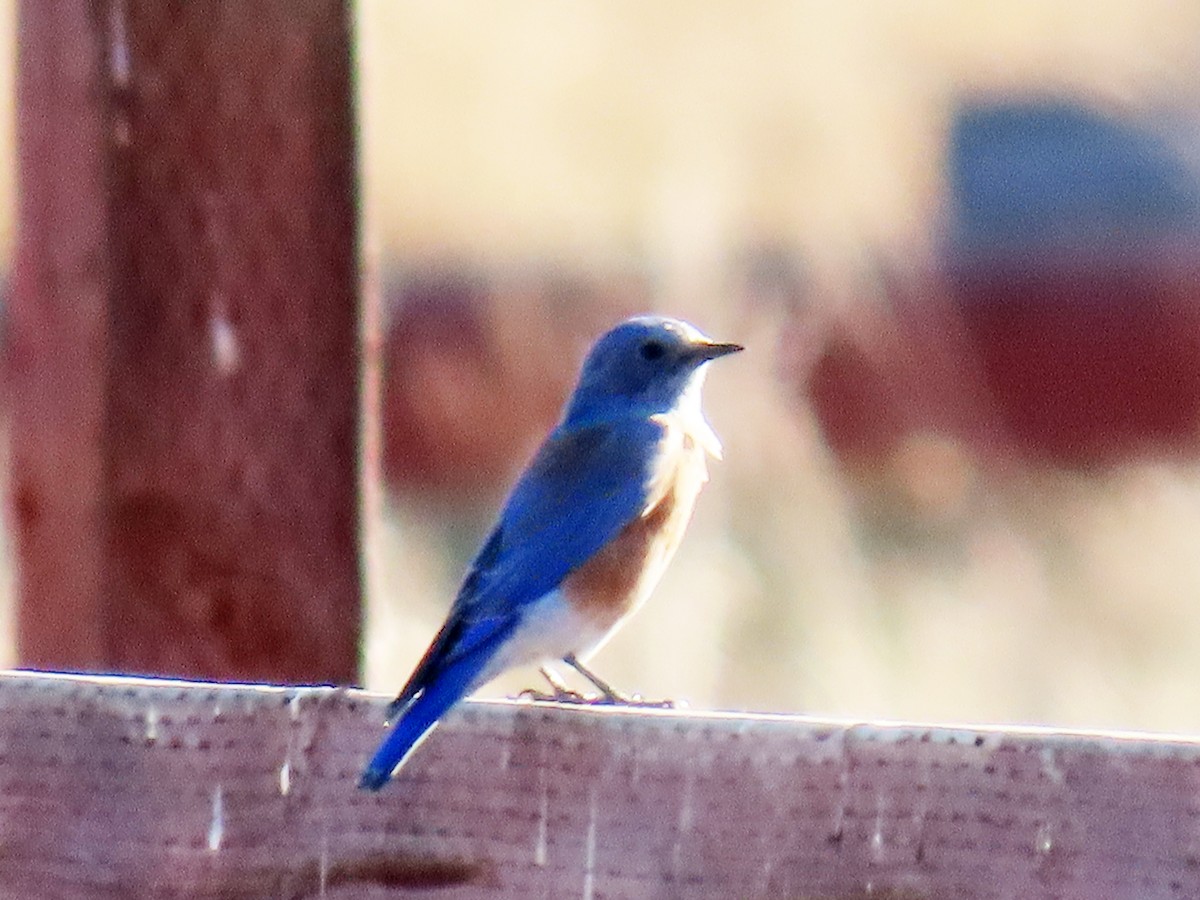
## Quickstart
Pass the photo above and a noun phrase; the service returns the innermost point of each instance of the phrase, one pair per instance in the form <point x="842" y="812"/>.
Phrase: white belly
<point x="551" y="629"/>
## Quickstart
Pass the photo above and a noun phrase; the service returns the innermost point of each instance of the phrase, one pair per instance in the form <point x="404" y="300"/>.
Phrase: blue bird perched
<point x="585" y="534"/>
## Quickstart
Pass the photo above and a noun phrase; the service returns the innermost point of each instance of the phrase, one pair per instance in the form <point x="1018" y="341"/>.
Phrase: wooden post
<point x="185" y="339"/>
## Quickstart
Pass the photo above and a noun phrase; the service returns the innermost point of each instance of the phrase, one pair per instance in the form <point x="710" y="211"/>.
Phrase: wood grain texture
<point x="133" y="788"/>
<point x="185" y="339"/>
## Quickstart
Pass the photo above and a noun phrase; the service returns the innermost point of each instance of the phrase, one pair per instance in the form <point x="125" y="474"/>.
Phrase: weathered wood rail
<point x="119" y="787"/>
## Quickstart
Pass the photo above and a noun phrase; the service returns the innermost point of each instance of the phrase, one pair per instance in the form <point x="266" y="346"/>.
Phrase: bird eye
<point x="652" y="350"/>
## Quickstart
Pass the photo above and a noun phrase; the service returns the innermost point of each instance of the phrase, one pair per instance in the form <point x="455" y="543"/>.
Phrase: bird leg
<point x="562" y="693"/>
<point x="556" y="681"/>
<point x="609" y="694"/>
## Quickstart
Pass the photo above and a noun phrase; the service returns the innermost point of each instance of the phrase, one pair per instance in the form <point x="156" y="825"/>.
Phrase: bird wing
<point x="584" y="485"/>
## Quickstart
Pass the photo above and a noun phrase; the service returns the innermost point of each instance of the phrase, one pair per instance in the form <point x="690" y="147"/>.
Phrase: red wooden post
<point x="185" y="339"/>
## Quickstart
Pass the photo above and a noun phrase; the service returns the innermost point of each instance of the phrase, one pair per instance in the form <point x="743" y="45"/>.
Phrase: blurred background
<point x="962" y="244"/>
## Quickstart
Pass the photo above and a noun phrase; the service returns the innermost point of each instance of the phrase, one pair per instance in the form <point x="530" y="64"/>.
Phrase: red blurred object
<point x="898" y="366"/>
<point x="1089" y="362"/>
<point x="475" y="370"/>
<point x="436" y="357"/>
<point x="1070" y="363"/>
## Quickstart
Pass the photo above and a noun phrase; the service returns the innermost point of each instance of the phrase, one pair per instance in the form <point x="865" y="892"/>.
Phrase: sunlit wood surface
<point x="133" y="788"/>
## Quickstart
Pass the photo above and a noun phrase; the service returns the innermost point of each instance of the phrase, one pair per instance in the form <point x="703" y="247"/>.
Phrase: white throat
<point x="691" y="413"/>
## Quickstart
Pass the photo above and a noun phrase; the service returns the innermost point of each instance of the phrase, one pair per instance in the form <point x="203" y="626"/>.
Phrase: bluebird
<point x="585" y="534"/>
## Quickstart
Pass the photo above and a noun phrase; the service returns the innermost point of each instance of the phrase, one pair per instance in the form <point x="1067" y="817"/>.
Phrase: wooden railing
<point x="118" y="787"/>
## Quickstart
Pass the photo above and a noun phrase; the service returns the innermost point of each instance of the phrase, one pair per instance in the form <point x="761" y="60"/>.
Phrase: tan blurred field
<point x="604" y="137"/>
<point x="676" y="135"/>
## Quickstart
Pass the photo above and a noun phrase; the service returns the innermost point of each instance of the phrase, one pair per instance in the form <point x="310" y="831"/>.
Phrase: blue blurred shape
<point x="1054" y="176"/>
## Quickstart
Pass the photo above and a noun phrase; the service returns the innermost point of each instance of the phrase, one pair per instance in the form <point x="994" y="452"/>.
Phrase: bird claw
<point x="665" y="703"/>
<point x="560" y="696"/>
<point x="607" y="696"/>
<point x="637" y="700"/>
<point x="578" y="698"/>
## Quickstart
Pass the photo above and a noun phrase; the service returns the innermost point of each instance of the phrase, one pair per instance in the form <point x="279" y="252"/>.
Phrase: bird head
<point x="646" y="365"/>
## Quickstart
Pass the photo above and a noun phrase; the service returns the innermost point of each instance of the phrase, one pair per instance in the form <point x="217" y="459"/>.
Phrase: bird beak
<point x="706" y="350"/>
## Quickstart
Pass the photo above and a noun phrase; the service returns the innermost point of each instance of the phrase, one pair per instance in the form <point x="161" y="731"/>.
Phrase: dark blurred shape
<point x="895" y="387"/>
<point x="1075" y="268"/>
<point x="857" y="400"/>
<point x="437" y="357"/>
<point x="476" y="366"/>
<point x="775" y="277"/>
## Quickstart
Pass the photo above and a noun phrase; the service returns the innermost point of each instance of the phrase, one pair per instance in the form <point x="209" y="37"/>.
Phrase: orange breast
<point x="618" y="578"/>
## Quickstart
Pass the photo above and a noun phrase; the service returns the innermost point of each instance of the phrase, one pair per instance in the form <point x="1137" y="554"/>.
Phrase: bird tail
<point x="414" y="721"/>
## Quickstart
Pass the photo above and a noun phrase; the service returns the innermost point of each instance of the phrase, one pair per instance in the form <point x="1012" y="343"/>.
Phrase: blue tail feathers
<point x="414" y="723"/>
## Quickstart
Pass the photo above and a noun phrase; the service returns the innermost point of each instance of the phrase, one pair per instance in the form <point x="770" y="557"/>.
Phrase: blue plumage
<point x="594" y="476"/>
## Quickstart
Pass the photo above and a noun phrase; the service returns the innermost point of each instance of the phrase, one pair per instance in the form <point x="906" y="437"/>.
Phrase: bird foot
<point x="578" y="698"/>
<point x="637" y="700"/>
<point x="607" y="696"/>
<point x="563" y="695"/>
